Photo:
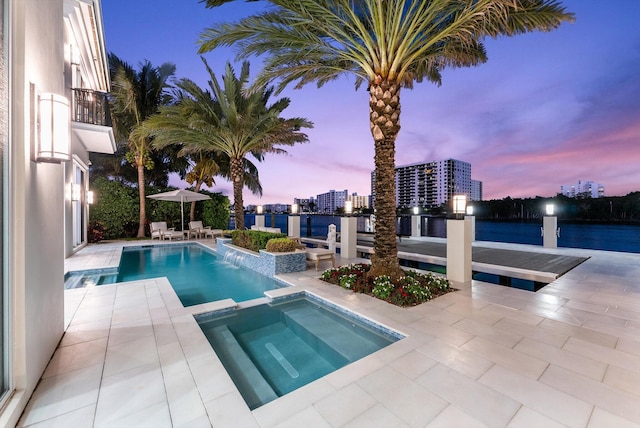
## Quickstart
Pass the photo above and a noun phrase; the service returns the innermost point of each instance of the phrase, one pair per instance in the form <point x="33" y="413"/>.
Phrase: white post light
<point x="471" y="218"/>
<point x="348" y="207"/>
<point x="259" y="217"/>
<point x="459" y="204"/>
<point x="549" y="208"/>
<point x="294" y="209"/>
<point x="459" y="243"/>
<point x="416" y="210"/>
<point x="469" y="209"/>
<point x="550" y="229"/>
<point x="54" y="133"/>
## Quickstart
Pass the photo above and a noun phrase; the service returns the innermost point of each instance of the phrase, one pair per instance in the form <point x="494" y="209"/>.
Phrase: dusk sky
<point x="546" y="109"/>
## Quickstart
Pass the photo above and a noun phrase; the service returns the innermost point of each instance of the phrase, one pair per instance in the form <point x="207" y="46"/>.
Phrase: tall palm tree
<point x="387" y="44"/>
<point x="209" y="164"/>
<point x="228" y="119"/>
<point x="136" y="95"/>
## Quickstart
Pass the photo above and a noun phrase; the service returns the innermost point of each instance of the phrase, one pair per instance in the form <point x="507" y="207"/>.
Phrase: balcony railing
<point x="91" y="107"/>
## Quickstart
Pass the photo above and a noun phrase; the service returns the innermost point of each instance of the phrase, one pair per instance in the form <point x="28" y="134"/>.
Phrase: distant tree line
<point x="607" y="209"/>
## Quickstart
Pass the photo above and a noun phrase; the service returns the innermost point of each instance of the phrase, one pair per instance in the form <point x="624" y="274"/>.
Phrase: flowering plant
<point x="411" y="289"/>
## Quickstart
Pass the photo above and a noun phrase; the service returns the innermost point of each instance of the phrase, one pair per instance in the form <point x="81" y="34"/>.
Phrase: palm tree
<point x="210" y="164"/>
<point x="136" y="95"/>
<point x="231" y="120"/>
<point x="387" y="44"/>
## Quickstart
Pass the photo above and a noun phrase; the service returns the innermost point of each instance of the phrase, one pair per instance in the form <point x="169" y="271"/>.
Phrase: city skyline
<point x="545" y="110"/>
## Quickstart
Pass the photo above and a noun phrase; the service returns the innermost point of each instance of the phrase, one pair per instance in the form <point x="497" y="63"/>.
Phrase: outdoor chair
<point x="319" y="254"/>
<point x="198" y="230"/>
<point x="160" y="230"/>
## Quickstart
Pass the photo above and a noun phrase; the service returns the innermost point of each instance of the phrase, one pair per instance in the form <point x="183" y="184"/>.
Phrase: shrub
<point x="280" y="245"/>
<point x="254" y="240"/>
<point x="96" y="232"/>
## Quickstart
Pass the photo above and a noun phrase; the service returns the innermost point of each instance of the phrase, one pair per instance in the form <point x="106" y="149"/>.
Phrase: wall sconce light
<point x="459" y="204"/>
<point x="90" y="197"/>
<point x="294" y="208"/>
<point x="53" y="139"/>
<point x="259" y="209"/>
<point x="549" y="209"/>
<point x="416" y="210"/>
<point x="348" y="207"/>
<point x="469" y="209"/>
<point x="76" y="192"/>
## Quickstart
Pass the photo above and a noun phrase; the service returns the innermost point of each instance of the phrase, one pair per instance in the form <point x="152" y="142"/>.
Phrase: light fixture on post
<point x="459" y="243"/>
<point x="550" y="231"/>
<point x="54" y="134"/>
<point x="76" y="192"/>
<point x="549" y="209"/>
<point x="293" y="223"/>
<point x="259" y="216"/>
<point x="472" y="219"/>
<point x="348" y="207"/>
<point x="416" y="221"/>
<point x="90" y="198"/>
<point x="348" y="233"/>
<point x="459" y="204"/>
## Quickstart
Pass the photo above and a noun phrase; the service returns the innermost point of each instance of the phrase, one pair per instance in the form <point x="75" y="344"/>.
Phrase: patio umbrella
<point x="181" y="196"/>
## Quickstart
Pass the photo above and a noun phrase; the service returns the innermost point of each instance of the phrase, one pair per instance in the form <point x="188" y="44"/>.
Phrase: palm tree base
<point x="385" y="266"/>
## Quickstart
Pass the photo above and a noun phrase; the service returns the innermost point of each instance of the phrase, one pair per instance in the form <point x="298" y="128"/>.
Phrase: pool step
<point x="341" y="342"/>
<point x="252" y="385"/>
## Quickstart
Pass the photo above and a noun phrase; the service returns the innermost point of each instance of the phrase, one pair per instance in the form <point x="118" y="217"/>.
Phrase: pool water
<point x="270" y="350"/>
<point x="196" y="274"/>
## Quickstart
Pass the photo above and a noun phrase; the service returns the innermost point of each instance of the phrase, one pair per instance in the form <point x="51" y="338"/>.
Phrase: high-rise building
<point x="431" y="184"/>
<point x="476" y="190"/>
<point x="328" y="202"/>
<point x="358" y="201"/>
<point x="583" y="189"/>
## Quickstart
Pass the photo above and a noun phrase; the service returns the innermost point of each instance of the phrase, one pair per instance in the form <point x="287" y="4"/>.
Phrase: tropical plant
<point x="387" y="44"/>
<point x="227" y="119"/>
<point x="136" y="95"/>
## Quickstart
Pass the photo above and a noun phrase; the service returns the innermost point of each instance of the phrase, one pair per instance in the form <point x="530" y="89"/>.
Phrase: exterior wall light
<point x="90" y="197"/>
<point x="54" y="134"/>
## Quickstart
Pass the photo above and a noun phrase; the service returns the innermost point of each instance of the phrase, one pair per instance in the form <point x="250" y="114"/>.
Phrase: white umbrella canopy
<point x="181" y="196"/>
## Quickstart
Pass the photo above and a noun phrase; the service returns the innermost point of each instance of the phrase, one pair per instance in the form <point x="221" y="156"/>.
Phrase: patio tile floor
<point x="485" y="356"/>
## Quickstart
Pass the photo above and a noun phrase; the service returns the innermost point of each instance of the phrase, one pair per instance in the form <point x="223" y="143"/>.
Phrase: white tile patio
<point x="485" y="356"/>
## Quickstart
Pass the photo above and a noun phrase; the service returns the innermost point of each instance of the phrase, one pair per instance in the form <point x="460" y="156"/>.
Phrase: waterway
<point x="609" y="237"/>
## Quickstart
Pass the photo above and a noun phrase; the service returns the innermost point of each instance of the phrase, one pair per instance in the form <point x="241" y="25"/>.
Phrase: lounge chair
<point x="198" y="230"/>
<point x="319" y="254"/>
<point x="160" y="230"/>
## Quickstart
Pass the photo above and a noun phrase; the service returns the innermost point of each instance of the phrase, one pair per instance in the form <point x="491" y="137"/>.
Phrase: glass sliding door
<point x="4" y="144"/>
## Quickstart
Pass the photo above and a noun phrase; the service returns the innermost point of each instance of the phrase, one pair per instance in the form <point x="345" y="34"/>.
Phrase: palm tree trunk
<point x="192" y="213"/>
<point x="384" y="114"/>
<point x="237" y="173"/>
<point x="143" y="205"/>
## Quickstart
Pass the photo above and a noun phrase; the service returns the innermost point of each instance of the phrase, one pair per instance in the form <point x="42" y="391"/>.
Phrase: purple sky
<point x="546" y="109"/>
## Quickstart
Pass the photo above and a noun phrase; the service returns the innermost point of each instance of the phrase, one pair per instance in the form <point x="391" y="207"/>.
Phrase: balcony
<point x="91" y="107"/>
<point x="91" y="121"/>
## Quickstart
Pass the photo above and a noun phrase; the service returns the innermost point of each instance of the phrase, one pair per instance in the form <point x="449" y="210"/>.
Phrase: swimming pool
<point x="272" y="349"/>
<point x="196" y="274"/>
